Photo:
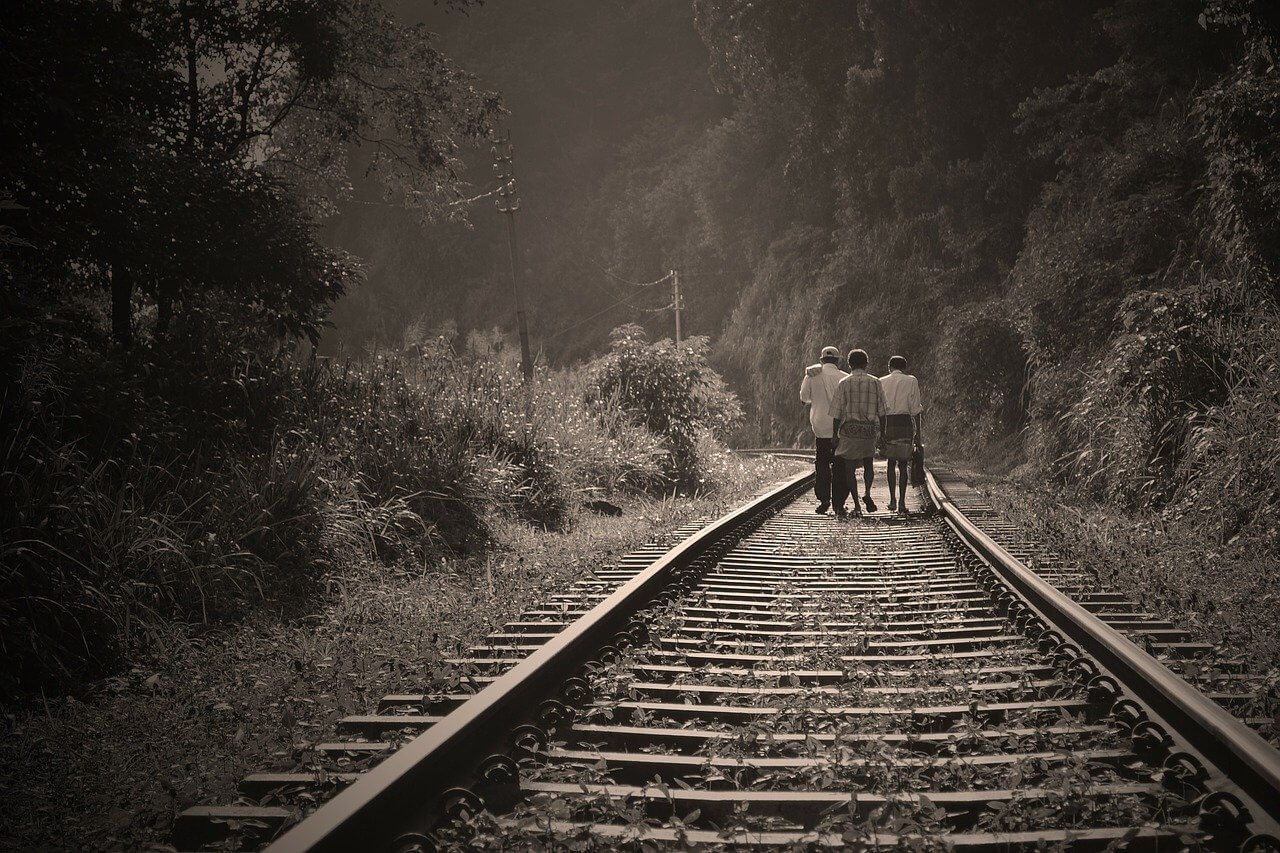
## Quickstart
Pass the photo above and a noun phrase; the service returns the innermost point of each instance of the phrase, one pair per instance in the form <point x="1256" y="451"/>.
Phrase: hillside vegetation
<point x="1063" y="213"/>
<point x="175" y="451"/>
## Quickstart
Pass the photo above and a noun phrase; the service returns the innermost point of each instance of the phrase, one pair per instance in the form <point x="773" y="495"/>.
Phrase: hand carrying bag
<point x="917" y="466"/>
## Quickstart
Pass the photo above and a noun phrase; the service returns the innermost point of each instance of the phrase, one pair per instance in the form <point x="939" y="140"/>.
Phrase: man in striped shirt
<point x="856" y="411"/>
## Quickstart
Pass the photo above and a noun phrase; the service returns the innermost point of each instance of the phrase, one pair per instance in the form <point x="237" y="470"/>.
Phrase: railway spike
<point x="1260" y="842"/>
<point x="499" y="769"/>
<point x="638" y="629"/>
<point x="576" y="690"/>
<point x="459" y="804"/>
<point x="499" y="777"/>
<point x="1128" y="712"/>
<point x="1082" y="668"/>
<point x="1151" y="738"/>
<point x="1066" y="654"/>
<point x="413" y="842"/>
<point x="1182" y="769"/>
<point x="555" y="713"/>
<point x="1051" y="641"/>
<point x="529" y="738"/>
<point x="1104" y="687"/>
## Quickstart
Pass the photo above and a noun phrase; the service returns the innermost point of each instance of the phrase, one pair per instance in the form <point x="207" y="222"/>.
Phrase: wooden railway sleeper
<point x="498" y="775"/>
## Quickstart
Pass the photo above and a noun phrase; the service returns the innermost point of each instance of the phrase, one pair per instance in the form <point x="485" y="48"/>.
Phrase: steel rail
<point x="404" y="794"/>
<point x="1238" y="759"/>
<point x="395" y="805"/>
<point x="781" y="453"/>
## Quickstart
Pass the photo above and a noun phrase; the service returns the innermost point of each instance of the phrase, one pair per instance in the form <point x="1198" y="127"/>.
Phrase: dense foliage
<point x="668" y="389"/>
<point x="160" y="496"/>
<point x="164" y="166"/>
<point x="1063" y="213"/>
<point x="171" y="156"/>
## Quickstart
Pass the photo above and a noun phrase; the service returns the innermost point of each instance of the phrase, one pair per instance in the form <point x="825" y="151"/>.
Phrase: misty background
<point x="600" y="96"/>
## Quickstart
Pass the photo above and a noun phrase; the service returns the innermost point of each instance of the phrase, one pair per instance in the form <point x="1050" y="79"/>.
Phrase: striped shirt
<point x="859" y="397"/>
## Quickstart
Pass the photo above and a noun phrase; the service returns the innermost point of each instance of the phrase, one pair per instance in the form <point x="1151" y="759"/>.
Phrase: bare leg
<point x="903" y="467"/>
<point x="889" y="472"/>
<point x="852" y="473"/>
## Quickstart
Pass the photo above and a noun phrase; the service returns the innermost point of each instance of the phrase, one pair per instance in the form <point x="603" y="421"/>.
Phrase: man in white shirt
<point x="903" y="412"/>
<point x="817" y="388"/>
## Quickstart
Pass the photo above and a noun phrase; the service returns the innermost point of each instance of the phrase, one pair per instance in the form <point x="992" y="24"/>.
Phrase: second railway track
<point x="779" y="679"/>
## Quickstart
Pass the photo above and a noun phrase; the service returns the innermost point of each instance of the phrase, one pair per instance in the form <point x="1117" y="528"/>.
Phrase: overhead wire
<point x="623" y="299"/>
<point x="617" y="277"/>
<point x="617" y="300"/>
<point x="605" y="310"/>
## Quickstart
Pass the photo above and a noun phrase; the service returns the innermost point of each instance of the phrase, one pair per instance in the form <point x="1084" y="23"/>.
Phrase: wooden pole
<point x="508" y="203"/>
<point x="675" y="287"/>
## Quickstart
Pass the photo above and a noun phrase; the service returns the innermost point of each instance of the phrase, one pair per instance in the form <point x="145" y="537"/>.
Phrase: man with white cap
<point x="817" y="388"/>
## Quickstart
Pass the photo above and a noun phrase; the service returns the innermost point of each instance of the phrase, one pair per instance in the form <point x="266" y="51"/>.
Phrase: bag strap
<point x="826" y="383"/>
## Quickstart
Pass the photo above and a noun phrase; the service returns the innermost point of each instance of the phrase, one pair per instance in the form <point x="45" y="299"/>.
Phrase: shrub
<point x="128" y="497"/>
<point x="670" y="390"/>
<point x="1231" y="455"/>
<point x="95" y="550"/>
<point x="190" y="481"/>
<point x="981" y="377"/>
<point x="599" y="447"/>
<point x="1122" y="424"/>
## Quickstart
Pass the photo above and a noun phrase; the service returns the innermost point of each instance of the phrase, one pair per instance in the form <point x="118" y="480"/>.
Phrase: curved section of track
<point x="781" y="679"/>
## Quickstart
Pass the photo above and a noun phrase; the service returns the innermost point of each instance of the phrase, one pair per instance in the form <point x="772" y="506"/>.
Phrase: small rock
<point x="604" y="508"/>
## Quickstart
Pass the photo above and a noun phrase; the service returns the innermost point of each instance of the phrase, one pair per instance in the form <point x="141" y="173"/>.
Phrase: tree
<point x="159" y="143"/>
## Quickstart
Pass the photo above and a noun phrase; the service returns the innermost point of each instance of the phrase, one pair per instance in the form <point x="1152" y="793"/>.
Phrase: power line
<point x="623" y="299"/>
<point x="676" y="303"/>
<point x="629" y="281"/>
<point x="604" y="310"/>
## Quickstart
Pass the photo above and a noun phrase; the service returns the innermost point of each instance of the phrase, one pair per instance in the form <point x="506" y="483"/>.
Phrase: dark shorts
<point x="897" y="450"/>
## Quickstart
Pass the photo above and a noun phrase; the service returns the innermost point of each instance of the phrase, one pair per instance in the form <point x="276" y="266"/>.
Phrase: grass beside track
<point x="1224" y="593"/>
<point x="110" y="769"/>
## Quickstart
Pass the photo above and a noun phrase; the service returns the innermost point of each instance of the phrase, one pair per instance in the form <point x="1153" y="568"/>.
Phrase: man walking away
<point x="903" y="411"/>
<point x="817" y="388"/>
<point x="855" y="419"/>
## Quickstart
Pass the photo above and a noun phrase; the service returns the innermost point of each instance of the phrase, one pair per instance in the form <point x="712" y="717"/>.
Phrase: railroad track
<point x="778" y="679"/>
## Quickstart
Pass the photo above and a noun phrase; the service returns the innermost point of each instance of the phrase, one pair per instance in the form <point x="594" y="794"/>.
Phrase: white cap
<point x="830" y="352"/>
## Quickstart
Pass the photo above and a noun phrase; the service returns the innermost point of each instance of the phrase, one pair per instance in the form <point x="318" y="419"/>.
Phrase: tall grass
<point x="1168" y="462"/>
<point x="195" y="490"/>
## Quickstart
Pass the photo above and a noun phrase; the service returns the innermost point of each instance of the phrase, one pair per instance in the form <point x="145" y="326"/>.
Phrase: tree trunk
<point x="193" y="78"/>
<point x="121" y="305"/>
<point x="164" y="312"/>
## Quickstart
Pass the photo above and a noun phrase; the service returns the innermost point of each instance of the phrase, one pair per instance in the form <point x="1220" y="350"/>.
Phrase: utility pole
<point x="508" y="203"/>
<point x="675" y="300"/>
